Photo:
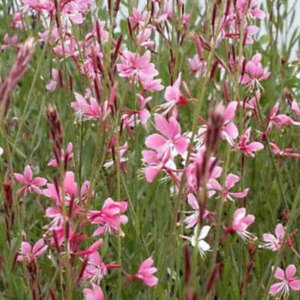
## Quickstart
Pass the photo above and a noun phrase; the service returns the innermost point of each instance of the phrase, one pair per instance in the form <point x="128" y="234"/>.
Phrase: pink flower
<point x="246" y="7"/>
<point x="247" y="148"/>
<point x="89" y="110"/>
<point x="71" y="199"/>
<point x="93" y="248"/>
<point x="170" y="142"/>
<point x="196" y="65"/>
<point x="252" y="103"/>
<point x="194" y="218"/>
<point x="99" y="30"/>
<point x="287" y="281"/>
<point x="254" y="72"/>
<point x="136" y="66"/>
<point x="173" y="96"/>
<point x="18" y="20"/>
<point x="122" y="151"/>
<point x="66" y="156"/>
<point x="241" y="222"/>
<point x="95" y="293"/>
<point x="29" y="254"/>
<point x="230" y="182"/>
<point x="192" y="170"/>
<point x="145" y="273"/>
<point x="295" y="108"/>
<point x="288" y="152"/>
<point x="29" y="183"/>
<point x="95" y="269"/>
<point x="138" y="18"/>
<point x="279" y="120"/>
<point x="143" y="38"/>
<point x="39" y="5"/>
<point x="229" y="130"/>
<point x="155" y="163"/>
<point x="272" y="242"/>
<point x="151" y="84"/>
<point x="10" y="42"/>
<point x="52" y="84"/>
<point x="144" y="113"/>
<point x="109" y="217"/>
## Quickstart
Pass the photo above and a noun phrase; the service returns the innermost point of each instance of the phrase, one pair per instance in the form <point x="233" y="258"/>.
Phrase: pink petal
<point x="28" y="173"/>
<point x="163" y="126"/>
<point x="295" y="285"/>
<point x="290" y="271"/>
<point x="39" y="181"/>
<point x="25" y="248"/>
<point x="231" y="130"/>
<point x="192" y="201"/>
<point x="230" y="111"/>
<point x="255" y="146"/>
<point x="155" y="141"/>
<point x="279" y="231"/>
<point x="70" y="184"/>
<point x="239" y="214"/>
<point x="20" y="178"/>
<point x="276" y="288"/>
<point x="181" y="145"/>
<point x="279" y="274"/>
<point x="240" y="194"/>
<point x="231" y="180"/>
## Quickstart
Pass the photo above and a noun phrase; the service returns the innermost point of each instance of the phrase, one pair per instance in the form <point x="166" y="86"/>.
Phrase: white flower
<point x="1" y="151"/>
<point x="197" y="240"/>
<point x="200" y="243"/>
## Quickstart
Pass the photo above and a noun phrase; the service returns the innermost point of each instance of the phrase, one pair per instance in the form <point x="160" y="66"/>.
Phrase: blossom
<point x="272" y="242"/>
<point x="196" y="65"/>
<point x="89" y="110"/>
<point x="246" y="7"/>
<point x="90" y="250"/>
<point x="143" y="38"/>
<point x="95" y="293"/>
<point x="194" y="218"/>
<point x="295" y="108"/>
<point x="173" y="96"/>
<point x="29" y="183"/>
<point x="230" y="181"/>
<point x="288" y="281"/>
<point x="95" y="269"/>
<point x="155" y="163"/>
<point x="151" y="84"/>
<point x="66" y="156"/>
<point x="144" y="113"/>
<point x="28" y="253"/>
<point x="9" y="42"/>
<point x="122" y="159"/>
<point x="252" y="103"/>
<point x="254" y="72"/>
<point x="197" y="240"/>
<point x="109" y="217"/>
<point x="52" y="84"/>
<point x="229" y="130"/>
<point x="138" y="17"/>
<point x="247" y="148"/>
<point x="241" y="222"/>
<point x="288" y="152"/>
<point x="170" y="142"/>
<point x="136" y="66"/>
<point x="279" y="120"/>
<point x="145" y="273"/>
